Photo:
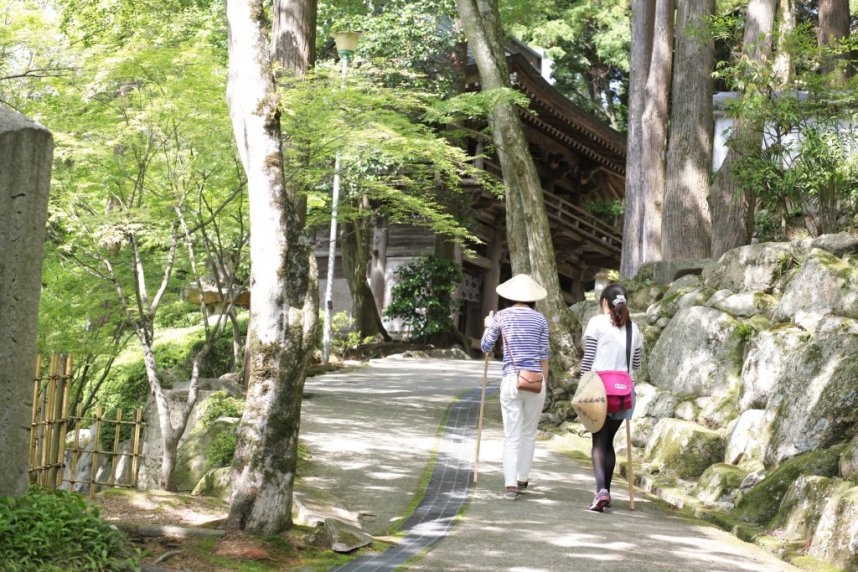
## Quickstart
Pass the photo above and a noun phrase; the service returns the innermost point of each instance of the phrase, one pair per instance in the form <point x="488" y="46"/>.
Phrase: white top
<point x="610" y="347"/>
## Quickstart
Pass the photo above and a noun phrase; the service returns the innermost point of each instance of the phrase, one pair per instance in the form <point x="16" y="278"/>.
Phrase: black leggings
<point x="604" y="457"/>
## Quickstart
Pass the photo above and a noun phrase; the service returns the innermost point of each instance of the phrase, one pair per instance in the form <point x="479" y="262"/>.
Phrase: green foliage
<point x="423" y="296"/>
<point x="743" y="331"/>
<point x="609" y="211"/>
<point x="405" y="43"/>
<point x="221" y="450"/>
<point x="220" y="404"/>
<point x="809" y="164"/>
<point x="393" y="164"/>
<point x="589" y="41"/>
<point x="55" y="532"/>
<point x="343" y="335"/>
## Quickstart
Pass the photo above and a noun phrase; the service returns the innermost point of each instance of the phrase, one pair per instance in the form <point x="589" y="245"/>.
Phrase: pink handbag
<point x="618" y="389"/>
<point x="619" y="385"/>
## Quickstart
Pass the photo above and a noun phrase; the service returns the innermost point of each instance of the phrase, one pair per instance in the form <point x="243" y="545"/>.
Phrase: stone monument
<point x="26" y="149"/>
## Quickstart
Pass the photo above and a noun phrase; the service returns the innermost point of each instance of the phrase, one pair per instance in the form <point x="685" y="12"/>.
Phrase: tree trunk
<point x="293" y="37"/>
<point x="654" y="130"/>
<point x="380" y="232"/>
<point x="354" y="248"/>
<point x="528" y="232"/>
<point x="686" y="224"/>
<point x="733" y="207"/>
<point x="833" y="27"/>
<point x="784" y="67"/>
<point x="643" y="18"/>
<point x="283" y="286"/>
<point x="169" y="439"/>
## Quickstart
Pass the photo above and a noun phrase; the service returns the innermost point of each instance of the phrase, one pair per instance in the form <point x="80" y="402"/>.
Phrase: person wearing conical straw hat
<point x="605" y="341"/>
<point x="525" y="340"/>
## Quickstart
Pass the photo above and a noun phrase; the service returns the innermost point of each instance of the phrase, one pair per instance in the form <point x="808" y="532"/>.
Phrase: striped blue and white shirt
<point x="526" y="332"/>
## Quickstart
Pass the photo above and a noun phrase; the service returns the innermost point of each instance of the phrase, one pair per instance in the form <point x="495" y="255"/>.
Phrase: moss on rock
<point x="718" y="481"/>
<point x="762" y="502"/>
<point x="683" y="449"/>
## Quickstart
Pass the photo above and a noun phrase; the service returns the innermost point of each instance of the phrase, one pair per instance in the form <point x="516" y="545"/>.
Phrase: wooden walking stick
<point x="630" y="472"/>
<point x="482" y="408"/>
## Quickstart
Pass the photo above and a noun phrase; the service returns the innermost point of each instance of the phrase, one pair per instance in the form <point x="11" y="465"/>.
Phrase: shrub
<point x="220" y="404"/>
<point x="56" y="531"/>
<point x="343" y="335"/>
<point x="221" y="450"/>
<point x="423" y="296"/>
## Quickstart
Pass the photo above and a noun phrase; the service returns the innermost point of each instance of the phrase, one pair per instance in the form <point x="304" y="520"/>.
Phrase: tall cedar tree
<point x="643" y="17"/>
<point x="528" y="233"/>
<point x="654" y="129"/>
<point x="686" y="224"/>
<point x="284" y="285"/>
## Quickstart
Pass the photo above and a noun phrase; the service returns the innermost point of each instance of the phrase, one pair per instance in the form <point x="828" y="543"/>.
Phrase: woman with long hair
<point x="605" y="341"/>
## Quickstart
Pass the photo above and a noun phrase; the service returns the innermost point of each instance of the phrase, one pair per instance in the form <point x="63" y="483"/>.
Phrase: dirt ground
<point x="301" y="548"/>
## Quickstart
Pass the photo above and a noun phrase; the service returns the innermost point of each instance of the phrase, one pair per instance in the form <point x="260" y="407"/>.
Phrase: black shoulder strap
<point x="629" y="346"/>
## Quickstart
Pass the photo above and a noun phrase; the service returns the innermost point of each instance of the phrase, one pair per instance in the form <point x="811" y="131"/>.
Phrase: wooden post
<point x="75" y="451"/>
<point x="630" y="472"/>
<point x="135" y="449"/>
<point x="37" y="380"/>
<point x="60" y="394"/>
<point x="47" y="418"/>
<point x="95" y="449"/>
<point x="64" y="423"/>
<point x="482" y="409"/>
<point x="116" y="434"/>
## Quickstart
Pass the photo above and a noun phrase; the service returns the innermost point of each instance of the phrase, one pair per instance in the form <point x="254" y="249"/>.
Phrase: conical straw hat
<point x="590" y="401"/>
<point x="521" y="288"/>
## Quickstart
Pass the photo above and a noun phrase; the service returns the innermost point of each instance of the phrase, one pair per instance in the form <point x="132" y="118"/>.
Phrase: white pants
<point x="521" y="411"/>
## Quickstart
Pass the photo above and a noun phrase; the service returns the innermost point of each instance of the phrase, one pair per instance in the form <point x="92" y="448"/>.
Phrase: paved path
<point x="372" y="431"/>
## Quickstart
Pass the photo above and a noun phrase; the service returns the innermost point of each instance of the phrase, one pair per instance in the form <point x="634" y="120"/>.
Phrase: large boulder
<point x="26" y="149"/>
<point x="192" y="459"/>
<point x="761" y="503"/>
<point x="653" y="402"/>
<point x="746" y="440"/>
<point x="672" y="303"/>
<point x="152" y="447"/>
<point x="682" y="449"/>
<point x="214" y="483"/>
<point x="345" y="537"/>
<point x="841" y="244"/>
<point x="766" y="362"/>
<point x="849" y="460"/>
<point x="756" y="267"/>
<point x="698" y="353"/>
<point x="744" y="304"/>
<point x="718" y="483"/>
<point x="802" y="505"/>
<point x="643" y="294"/>
<point x="816" y="403"/>
<point x="836" y="537"/>
<point x="825" y="284"/>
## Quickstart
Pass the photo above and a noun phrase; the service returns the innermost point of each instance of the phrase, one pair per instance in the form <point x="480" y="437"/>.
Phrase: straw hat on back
<point x="521" y="288"/>
<point x="590" y="401"/>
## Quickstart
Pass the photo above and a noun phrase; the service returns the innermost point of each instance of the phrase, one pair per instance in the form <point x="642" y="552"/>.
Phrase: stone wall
<point x="749" y="398"/>
<point x="26" y="150"/>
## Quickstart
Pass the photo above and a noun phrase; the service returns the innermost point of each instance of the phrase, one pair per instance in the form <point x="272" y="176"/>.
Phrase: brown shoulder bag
<point x="525" y="380"/>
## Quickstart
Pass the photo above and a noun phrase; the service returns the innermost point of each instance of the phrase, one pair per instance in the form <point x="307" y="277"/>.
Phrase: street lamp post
<point x="346" y="45"/>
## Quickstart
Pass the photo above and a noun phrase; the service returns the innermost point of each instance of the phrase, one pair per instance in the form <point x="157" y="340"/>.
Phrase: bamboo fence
<point x="49" y="434"/>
